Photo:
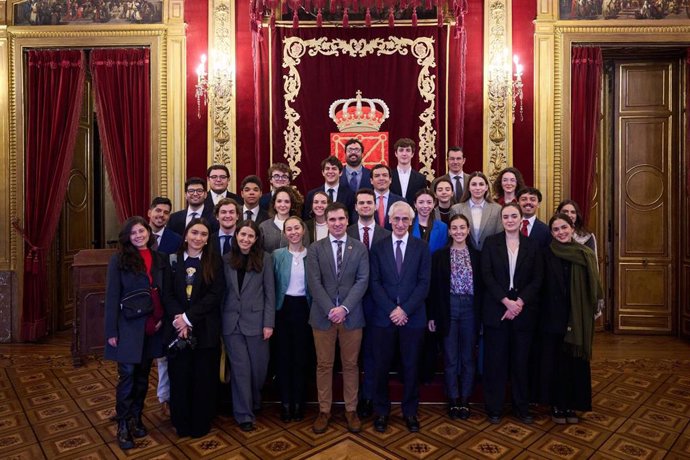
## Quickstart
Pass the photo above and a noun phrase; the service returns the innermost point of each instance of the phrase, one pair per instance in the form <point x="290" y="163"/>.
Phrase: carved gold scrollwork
<point x="422" y="49"/>
<point x="221" y="102"/>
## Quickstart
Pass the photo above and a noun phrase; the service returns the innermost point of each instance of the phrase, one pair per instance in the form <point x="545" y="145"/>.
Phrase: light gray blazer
<point x="325" y="287"/>
<point x="490" y="224"/>
<point x="252" y="308"/>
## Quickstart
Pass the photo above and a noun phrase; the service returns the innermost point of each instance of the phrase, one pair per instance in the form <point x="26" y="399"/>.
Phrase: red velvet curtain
<point x="55" y="87"/>
<point x="121" y="79"/>
<point x="392" y="77"/>
<point x="585" y="95"/>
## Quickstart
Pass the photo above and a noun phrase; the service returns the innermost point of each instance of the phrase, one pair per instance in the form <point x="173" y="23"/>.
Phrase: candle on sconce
<point x="518" y="66"/>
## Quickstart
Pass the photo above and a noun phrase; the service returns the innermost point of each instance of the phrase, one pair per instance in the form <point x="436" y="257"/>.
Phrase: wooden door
<point x="645" y="219"/>
<point x="76" y="229"/>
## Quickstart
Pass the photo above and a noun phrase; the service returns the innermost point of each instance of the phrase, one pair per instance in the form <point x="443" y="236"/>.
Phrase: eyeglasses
<point x="196" y="191"/>
<point x="354" y="149"/>
<point x="217" y="177"/>
<point x="280" y="177"/>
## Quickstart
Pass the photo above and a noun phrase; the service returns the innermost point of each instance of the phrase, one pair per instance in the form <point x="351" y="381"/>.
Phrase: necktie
<point x="365" y="237"/>
<point x="339" y="258"/>
<point x="226" y="243"/>
<point x="523" y="228"/>
<point x="458" y="188"/>
<point x="398" y="256"/>
<point x="192" y="216"/>
<point x="353" y="181"/>
<point x="381" y="212"/>
<point x="331" y="194"/>
<point x="249" y="214"/>
<point x="156" y="238"/>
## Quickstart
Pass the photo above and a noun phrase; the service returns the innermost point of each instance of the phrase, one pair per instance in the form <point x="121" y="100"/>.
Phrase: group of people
<point x="375" y="261"/>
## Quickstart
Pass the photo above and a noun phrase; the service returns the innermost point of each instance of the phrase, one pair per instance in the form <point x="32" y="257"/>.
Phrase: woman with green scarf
<point x="567" y="323"/>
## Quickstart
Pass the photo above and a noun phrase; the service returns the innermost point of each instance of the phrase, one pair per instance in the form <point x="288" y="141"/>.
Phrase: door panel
<point x="644" y="237"/>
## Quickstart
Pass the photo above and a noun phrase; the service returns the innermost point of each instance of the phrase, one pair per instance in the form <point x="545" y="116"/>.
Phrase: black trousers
<point x="193" y="387"/>
<point x="294" y="349"/>
<point x="132" y="384"/>
<point x="506" y="353"/>
<point x="565" y="381"/>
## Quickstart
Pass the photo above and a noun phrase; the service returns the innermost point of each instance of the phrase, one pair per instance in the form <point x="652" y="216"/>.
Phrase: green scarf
<point x="585" y="291"/>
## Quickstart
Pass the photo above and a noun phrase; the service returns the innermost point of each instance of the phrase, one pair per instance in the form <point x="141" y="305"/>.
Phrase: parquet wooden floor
<point x="49" y="409"/>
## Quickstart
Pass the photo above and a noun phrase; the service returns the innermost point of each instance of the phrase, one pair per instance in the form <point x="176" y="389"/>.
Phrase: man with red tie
<point x="529" y="199"/>
<point x="381" y="179"/>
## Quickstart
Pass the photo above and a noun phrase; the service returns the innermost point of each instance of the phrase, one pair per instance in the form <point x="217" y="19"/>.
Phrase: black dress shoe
<point x="464" y="412"/>
<point x="454" y="409"/>
<point x="494" y="419"/>
<point x="124" y="437"/>
<point x="298" y="412"/>
<point x="412" y="423"/>
<point x="365" y="408"/>
<point x="247" y="426"/>
<point x="381" y="423"/>
<point x="285" y="413"/>
<point x="525" y="417"/>
<point x="137" y="428"/>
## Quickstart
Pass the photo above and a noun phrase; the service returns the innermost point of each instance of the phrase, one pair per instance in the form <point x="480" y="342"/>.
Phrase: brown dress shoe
<point x="353" y="423"/>
<point x="321" y="423"/>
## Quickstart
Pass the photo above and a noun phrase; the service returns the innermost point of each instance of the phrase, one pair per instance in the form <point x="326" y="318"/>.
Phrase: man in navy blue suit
<point x="381" y="180"/>
<point x="529" y="199"/>
<point x="355" y="176"/>
<point x="167" y="241"/>
<point x="331" y="168"/>
<point x="400" y="275"/>
<point x="195" y="195"/>
<point x="227" y="212"/>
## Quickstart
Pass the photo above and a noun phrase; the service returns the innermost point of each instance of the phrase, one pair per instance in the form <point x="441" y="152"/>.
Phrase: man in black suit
<point x="529" y="199"/>
<point x="355" y="176"/>
<point x="400" y="275"/>
<point x="331" y="168"/>
<point x="218" y="177"/>
<point x="366" y="231"/>
<point x="227" y="212"/>
<point x="195" y="194"/>
<point x="406" y="181"/>
<point x="251" y="194"/>
<point x="167" y="241"/>
<point x="381" y="179"/>
<point x="279" y="175"/>
<point x="456" y="176"/>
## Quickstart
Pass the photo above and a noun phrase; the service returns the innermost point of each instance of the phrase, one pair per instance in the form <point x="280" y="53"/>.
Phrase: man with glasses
<point x="195" y="195"/>
<point x="456" y="160"/>
<point x="399" y="278"/>
<point x="279" y="175"/>
<point x="355" y="176"/>
<point x="218" y="179"/>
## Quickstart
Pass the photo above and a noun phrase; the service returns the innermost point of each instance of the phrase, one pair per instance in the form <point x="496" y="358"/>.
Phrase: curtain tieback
<point x="33" y="256"/>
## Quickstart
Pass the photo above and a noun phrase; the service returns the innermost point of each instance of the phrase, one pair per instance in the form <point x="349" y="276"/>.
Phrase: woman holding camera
<point x="133" y="320"/>
<point x="193" y="338"/>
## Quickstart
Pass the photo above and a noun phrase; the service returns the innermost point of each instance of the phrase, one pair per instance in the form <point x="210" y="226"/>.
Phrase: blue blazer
<point x="410" y="287"/>
<point x="282" y="264"/>
<point x="170" y="242"/>
<point x="364" y="182"/>
<point x="438" y="237"/>
<point x="178" y="219"/>
<point x="541" y="233"/>
<point x="131" y="347"/>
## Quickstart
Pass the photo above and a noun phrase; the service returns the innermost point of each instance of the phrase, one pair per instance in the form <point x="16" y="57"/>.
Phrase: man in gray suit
<point x="369" y="233"/>
<point x="337" y="276"/>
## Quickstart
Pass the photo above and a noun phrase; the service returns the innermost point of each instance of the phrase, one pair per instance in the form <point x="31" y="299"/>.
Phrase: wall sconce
<point x="218" y="84"/>
<point x="504" y="84"/>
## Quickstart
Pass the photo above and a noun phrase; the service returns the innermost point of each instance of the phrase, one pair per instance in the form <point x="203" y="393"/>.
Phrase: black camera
<point x="181" y="344"/>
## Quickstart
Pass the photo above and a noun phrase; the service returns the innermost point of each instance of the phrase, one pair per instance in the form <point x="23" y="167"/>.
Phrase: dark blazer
<point x="541" y="233"/>
<point x="260" y="217"/>
<point x="265" y="201"/>
<point x="345" y="196"/>
<point x="170" y="242"/>
<point x="214" y="239"/>
<point x="438" y="301"/>
<point x="130" y="333"/>
<point x="554" y="309"/>
<point x="228" y="194"/>
<point x="379" y="233"/>
<point x="392" y="198"/>
<point x="178" y="220"/>
<point x="252" y="307"/>
<point x="325" y="286"/>
<point x="202" y="310"/>
<point x="364" y="182"/>
<point x="410" y="287"/>
<point x="496" y="276"/>
<point x="465" y="181"/>
<point x="417" y="182"/>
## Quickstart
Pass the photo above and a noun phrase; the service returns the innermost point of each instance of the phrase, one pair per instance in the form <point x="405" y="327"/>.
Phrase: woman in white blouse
<point x="293" y="336"/>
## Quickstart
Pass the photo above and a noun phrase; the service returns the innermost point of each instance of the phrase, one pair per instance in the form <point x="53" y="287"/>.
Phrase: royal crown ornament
<point x="358" y="115"/>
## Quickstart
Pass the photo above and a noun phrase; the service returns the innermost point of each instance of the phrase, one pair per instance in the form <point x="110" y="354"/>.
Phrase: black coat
<point x="554" y="311"/>
<point x="438" y="302"/>
<point x="526" y="281"/>
<point x="202" y="310"/>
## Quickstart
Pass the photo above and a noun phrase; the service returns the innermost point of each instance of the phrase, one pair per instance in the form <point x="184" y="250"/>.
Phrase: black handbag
<point x="137" y="304"/>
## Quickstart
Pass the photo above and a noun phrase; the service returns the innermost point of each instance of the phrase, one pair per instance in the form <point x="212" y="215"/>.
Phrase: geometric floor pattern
<point x="49" y="409"/>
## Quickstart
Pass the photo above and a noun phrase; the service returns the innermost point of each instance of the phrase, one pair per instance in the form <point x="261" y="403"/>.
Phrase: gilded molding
<point x="497" y="107"/>
<point x="219" y="70"/>
<point x="422" y="48"/>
